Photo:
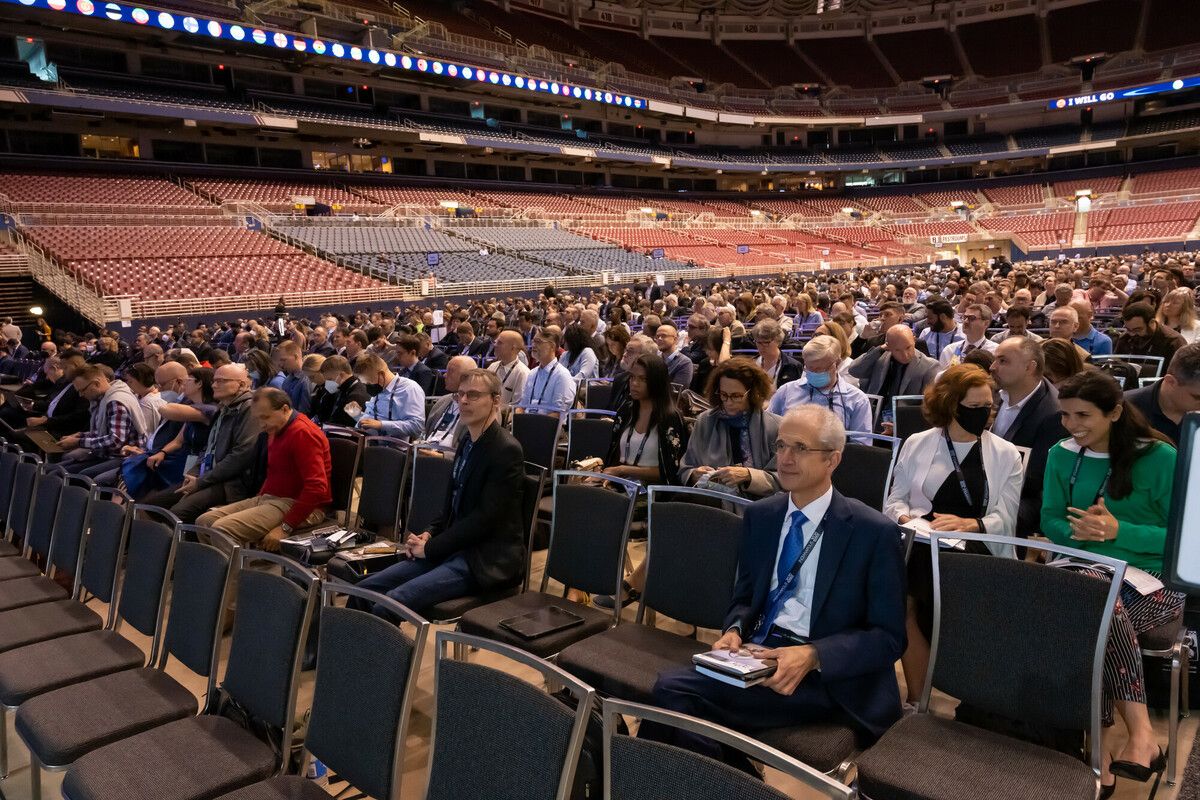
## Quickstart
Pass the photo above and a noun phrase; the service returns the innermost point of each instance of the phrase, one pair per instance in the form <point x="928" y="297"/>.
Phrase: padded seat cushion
<point x="485" y="622"/>
<point x="823" y="745"/>
<point x="11" y="568"/>
<point x="29" y="591"/>
<point x="625" y="661"/>
<point x="928" y="758"/>
<point x="43" y="667"/>
<point x="455" y="608"/>
<point x="189" y="759"/>
<point x="32" y="624"/>
<point x="62" y="725"/>
<point x="284" y="787"/>
<point x="1161" y="638"/>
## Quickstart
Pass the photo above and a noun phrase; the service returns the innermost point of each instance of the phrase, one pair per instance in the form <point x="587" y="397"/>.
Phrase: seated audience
<point x="396" y="406"/>
<point x="549" y="389"/>
<point x="224" y="471"/>
<point x="779" y="366"/>
<point x="1062" y="359"/>
<point x="290" y="359"/>
<point x="836" y="648"/>
<point x="1178" y="313"/>
<point x="959" y="477"/>
<point x="1028" y="416"/>
<point x="295" y="488"/>
<point x="179" y="437"/>
<point x="941" y="330"/>
<point x="733" y="444"/>
<point x="442" y="424"/>
<point x="648" y="443"/>
<point x="476" y="544"/>
<point x="508" y="367"/>
<point x="409" y="364"/>
<point x="822" y="384"/>
<point x="679" y="366"/>
<point x="975" y="321"/>
<point x="578" y="357"/>
<point x="1164" y="402"/>
<point x="140" y="379"/>
<point x="116" y="421"/>
<point x="616" y="339"/>
<point x="62" y="411"/>
<point x="337" y="389"/>
<point x="1017" y="319"/>
<point x="1144" y="335"/>
<point x="1086" y="336"/>
<point x="894" y="368"/>
<point x="1108" y="491"/>
<point x="838" y="331"/>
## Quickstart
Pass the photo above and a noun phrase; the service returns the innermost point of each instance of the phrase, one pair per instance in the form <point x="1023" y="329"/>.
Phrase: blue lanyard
<point x="549" y="373"/>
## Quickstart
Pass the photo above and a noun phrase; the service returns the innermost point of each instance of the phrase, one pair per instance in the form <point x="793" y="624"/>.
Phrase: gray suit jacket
<point x="871" y="369"/>
<point x="439" y="408"/>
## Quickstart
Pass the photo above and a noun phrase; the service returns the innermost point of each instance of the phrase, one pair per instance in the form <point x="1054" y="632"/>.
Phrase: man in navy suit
<point x="821" y="585"/>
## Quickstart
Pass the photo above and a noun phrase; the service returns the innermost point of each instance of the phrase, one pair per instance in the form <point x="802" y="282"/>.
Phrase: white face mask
<point x="331" y="387"/>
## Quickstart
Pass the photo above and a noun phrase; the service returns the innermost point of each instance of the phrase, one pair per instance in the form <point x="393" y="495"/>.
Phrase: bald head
<point x="455" y="369"/>
<point x="229" y="381"/>
<point x="1083" y="309"/>
<point x="170" y="376"/>
<point x="900" y="342"/>
<point x="152" y="354"/>
<point x="508" y="346"/>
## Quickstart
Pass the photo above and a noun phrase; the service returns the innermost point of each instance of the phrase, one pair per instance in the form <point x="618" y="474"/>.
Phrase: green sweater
<point x="1142" y="534"/>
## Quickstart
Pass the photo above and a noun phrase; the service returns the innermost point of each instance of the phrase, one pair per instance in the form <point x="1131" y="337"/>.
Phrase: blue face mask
<point x="819" y="380"/>
<point x="332" y="387"/>
<point x="169" y="397"/>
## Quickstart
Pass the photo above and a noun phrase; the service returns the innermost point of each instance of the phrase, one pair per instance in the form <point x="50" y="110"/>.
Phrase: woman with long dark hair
<point x="649" y="439"/>
<point x="1107" y="490"/>
<point x="579" y="358"/>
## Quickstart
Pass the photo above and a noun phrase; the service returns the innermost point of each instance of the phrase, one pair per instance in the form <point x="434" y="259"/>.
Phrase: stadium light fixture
<point x="37" y="311"/>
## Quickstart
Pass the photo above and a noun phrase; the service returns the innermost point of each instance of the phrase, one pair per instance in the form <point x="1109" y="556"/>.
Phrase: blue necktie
<point x="793" y="547"/>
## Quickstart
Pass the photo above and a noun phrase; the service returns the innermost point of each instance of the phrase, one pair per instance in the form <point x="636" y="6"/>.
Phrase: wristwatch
<point x="287" y="529"/>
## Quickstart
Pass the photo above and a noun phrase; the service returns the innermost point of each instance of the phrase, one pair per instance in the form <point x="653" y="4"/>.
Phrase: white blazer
<point x="926" y="451"/>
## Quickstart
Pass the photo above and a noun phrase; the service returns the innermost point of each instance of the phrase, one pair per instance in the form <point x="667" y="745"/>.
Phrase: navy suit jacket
<point x="858" y="613"/>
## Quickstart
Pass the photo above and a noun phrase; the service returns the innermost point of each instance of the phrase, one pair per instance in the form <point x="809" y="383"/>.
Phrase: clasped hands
<point x="1094" y="524"/>
<point x="414" y="545"/>
<point x="792" y="663"/>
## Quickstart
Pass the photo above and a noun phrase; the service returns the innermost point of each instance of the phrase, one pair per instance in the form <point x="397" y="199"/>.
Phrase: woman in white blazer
<point x="959" y="477"/>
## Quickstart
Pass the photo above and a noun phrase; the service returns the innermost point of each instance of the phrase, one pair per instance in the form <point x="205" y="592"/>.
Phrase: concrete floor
<point x="16" y="787"/>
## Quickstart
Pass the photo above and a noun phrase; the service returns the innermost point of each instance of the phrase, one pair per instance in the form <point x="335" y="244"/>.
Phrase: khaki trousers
<point x="251" y="519"/>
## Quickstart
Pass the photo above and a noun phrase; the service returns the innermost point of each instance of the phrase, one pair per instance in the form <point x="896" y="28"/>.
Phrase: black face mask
<point x="973" y="420"/>
<point x="373" y="388"/>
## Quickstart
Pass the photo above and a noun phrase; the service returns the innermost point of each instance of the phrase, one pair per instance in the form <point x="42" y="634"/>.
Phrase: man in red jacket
<point x="295" y="491"/>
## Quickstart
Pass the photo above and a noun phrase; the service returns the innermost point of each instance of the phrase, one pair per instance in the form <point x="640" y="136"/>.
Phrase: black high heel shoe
<point x="1107" y="791"/>
<point x="1136" y="772"/>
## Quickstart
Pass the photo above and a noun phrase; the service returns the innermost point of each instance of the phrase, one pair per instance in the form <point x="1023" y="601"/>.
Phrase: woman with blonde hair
<point x="806" y="315"/>
<point x="1178" y="312"/>
<point x="835" y="329"/>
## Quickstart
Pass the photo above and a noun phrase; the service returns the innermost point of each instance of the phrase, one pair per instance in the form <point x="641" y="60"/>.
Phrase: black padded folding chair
<point x="431" y="481"/>
<point x="538" y="434"/>
<point x="357" y="728"/>
<point x="485" y="719"/>
<point x="907" y="416"/>
<point x="39" y="527"/>
<point x="60" y="726"/>
<point x="1019" y="663"/>
<point x="865" y="472"/>
<point x="691" y="559"/>
<point x="45" y="666"/>
<point x="345" y="455"/>
<point x="25" y="475"/>
<point x="244" y="736"/>
<point x="583" y="555"/>
<point x="450" y="611"/>
<point x="88" y="530"/>
<point x="385" y="464"/>
<point x="10" y="455"/>
<point x="642" y="769"/>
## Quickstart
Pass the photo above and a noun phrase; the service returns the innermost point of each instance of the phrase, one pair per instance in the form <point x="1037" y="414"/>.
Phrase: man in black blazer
<point x="1028" y="417"/>
<point x="833" y="619"/>
<point x="432" y="356"/>
<point x="409" y="364"/>
<point x="476" y="544"/>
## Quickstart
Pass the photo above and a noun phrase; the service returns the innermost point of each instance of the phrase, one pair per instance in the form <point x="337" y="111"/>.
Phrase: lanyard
<point x="549" y="373"/>
<point x="641" y="448"/>
<point x="1075" y="477"/>
<point x="785" y="587"/>
<point x="813" y="392"/>
<point x="391" y="398"/>
<point x="962" y="478"/>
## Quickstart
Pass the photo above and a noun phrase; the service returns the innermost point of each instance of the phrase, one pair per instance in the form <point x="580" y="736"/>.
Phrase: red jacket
<point x="298" y="466"/>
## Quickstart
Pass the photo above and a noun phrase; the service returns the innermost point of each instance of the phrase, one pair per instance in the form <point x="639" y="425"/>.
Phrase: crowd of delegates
<point x="1036" y="424"/>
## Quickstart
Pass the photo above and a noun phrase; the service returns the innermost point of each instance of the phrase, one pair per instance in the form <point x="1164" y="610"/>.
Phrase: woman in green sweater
<point x="1108" y="491"/>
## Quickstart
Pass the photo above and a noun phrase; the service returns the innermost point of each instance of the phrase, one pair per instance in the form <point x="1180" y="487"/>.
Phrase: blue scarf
<point x="739" y="436"/>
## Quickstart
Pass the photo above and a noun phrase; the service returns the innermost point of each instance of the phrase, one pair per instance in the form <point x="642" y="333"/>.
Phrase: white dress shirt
<point x="796" y="614"/>
<point x="954" y="353"/>
<point x="1007" y="414"/>
<point x="512" y="380"/>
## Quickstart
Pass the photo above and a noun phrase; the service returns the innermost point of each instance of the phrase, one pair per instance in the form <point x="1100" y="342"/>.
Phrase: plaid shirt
<point x="121" y="432"/>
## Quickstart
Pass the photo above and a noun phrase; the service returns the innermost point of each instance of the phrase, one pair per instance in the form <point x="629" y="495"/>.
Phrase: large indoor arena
<point x="577" y="399"/>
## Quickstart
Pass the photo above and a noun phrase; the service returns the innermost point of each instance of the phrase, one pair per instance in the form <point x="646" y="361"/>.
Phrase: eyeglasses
<point x="971" y="319"/>
<point x="798" y="449"/>
<point x="472" y="394"/>
<point x="732" y="397"/>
